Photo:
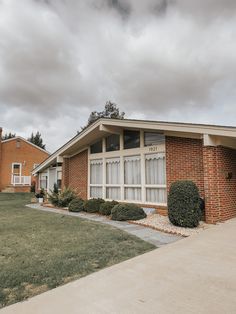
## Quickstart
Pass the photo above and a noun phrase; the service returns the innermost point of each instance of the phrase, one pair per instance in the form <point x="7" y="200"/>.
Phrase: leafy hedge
<point x="127" y="212"/>
<point x="63" y="198"/>
<point x="184" y="204"/>
<point x="93" y="205"/>
<point x="105" y="208"/>
<point x="76" y="205"/>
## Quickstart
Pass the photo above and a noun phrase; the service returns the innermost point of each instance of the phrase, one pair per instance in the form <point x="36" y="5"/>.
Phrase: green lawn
<point x="40" y="250"/>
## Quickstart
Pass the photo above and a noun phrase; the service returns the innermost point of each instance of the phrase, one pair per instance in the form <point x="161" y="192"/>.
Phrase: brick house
<point x="18" y="157"/>
<point x="136" y="161"/>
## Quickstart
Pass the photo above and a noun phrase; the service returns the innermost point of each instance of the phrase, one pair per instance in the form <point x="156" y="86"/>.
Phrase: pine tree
<point x="7" y="136"/>
<point x="37" y="140"/>
<point x="111" y="111"/>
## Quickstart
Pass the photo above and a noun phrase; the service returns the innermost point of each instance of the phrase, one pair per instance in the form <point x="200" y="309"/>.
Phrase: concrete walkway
<point x="196" y="275"/>
<point x="149" y="235"/>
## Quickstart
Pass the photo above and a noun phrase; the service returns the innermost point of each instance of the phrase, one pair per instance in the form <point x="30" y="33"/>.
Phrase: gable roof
<point x="24" y="140"/>
<point x="103" y="126"/>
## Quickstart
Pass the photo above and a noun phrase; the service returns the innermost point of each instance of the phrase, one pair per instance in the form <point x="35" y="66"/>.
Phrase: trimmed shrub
<point x="63" y="198"/>
<point x="127" y="212"/>
<point x="184" y="204"/>
<point x="93" y="205"/>
<point x="76" y="205"/>
<point x="105" y="208"/>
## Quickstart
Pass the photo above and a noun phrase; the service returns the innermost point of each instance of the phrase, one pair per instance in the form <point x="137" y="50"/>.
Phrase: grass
<point x="40" y="250"/>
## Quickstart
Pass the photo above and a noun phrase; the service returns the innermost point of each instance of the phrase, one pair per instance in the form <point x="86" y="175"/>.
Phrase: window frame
<point x="141" y="151"/>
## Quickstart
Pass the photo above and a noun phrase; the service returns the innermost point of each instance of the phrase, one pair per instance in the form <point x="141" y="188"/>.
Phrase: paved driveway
<point x="194" y="275"/>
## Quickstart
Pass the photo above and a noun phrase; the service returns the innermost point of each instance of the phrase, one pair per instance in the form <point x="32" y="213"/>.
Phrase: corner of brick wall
<point x="75" y="173"/>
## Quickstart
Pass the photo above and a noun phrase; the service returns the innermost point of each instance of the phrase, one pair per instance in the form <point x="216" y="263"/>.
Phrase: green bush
<point x="127" y="212"/>
<point x="63" y="198"/>
<point x="105" y="208"/>
<point x="93" y="205"/>
<point x="76" y="205"/>
<point x="184" y="204"/>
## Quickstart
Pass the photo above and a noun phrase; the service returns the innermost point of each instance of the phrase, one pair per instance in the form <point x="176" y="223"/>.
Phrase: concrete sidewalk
<point x="194" y="275"/>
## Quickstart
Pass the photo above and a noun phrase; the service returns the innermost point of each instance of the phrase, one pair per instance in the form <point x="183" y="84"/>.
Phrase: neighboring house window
<point x="16" y="173"/>
<point x="132" y="178"/>
<point x="131" y="139"/>
<point x="96" y="178"/>
<point x="96" y="147"/>
<point x="153" y="138"/>
<point x="113" y="178"/>
<point x="112" y="143"/>
<point x="17" y="143"/>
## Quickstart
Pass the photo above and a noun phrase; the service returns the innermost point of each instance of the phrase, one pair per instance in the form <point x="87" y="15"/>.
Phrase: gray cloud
<point x="61" y="59"/>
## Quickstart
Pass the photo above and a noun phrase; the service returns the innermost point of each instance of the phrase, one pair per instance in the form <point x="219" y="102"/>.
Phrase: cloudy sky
<point x="171" y="60"/>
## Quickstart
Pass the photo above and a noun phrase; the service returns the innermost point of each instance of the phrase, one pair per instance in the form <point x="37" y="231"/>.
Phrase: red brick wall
<point x="220" y="192"/>
<point x="75" y="173"/>
<point x="184" y="161"/>
<point x="26" y="154"/>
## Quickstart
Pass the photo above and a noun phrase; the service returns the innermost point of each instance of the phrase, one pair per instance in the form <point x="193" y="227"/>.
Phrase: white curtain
<point x="96" y="192"/>
<point x="156" y="195"/>
<point x="132" y="194"/>
<point x="132" y="170"/>
<point x="113" y="193"/>
<point x="155" y="168"/>
<point x="113" y="171"/>
<point x="96" y="171"/>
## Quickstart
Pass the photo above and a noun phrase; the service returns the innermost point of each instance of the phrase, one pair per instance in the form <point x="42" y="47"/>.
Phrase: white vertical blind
<point x="155" y="169"/>
<point x="96" y="192"/>
<point x="156" y="195"/>
<point x="132" y="194"/>
<point x="113" y="193"/>
<point x="96" y="171"/>
<point x="113" y="171"/>
<point x="132" y="167"/>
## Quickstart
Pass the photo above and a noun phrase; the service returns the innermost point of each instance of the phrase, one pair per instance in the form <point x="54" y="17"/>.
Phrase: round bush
<point x="76" y="205"/>
<point x="184" y="204"/>
<point x="105" y="208"/>
<point x="127" y="212"/>
<point x="93" y="205"/>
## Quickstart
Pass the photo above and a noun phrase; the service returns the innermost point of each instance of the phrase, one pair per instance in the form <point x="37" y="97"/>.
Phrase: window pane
<point x="113" y="193"/>
<point x="96" y="192"/>
<point x="155" y="169"/>
<point x="132" y="169"/>
<point x="131" y="139"/>
<point x="113" y="171"/>
<point x="113" y="142"/>
<point x="133" y="194"/>
<point x="156" y="195"/>
<point x="153" y="138"/>
<point x="96" y="147"/>
<point x="96" y="171"/>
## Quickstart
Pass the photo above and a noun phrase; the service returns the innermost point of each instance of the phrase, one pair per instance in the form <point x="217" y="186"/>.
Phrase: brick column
<point x="220" y="190"/>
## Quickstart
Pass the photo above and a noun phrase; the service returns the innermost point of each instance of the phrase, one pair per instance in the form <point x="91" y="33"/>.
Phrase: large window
<point x="96" y="178"/>
<point x="96" y="147"/>
<point x="132" y="178"/>
<point x="131" y="139"/>
<point x="130" y="175"/>
<point x="113" y="142"/>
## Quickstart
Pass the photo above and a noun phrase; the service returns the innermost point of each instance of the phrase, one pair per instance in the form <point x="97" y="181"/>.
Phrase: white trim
<point x="176" y="128"/>
<point x="24" y="140"/>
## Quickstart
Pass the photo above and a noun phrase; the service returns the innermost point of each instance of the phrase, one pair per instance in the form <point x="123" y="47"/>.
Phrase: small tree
<point x="7" y="136"/>
<point x="37" y="140"/>
<point x="111" y="111"/>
